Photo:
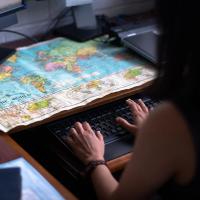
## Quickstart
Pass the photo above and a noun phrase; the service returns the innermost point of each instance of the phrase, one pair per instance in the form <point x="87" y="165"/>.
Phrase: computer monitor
<point x="85" y="25"/>
<point x="83" y="14"/>
<point x="8" y="9"/>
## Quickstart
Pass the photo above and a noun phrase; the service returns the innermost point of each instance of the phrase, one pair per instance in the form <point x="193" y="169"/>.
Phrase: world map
<point x="60" y="74"/>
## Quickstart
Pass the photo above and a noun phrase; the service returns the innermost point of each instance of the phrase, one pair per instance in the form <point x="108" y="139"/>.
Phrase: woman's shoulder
<point x="167" y="130"/>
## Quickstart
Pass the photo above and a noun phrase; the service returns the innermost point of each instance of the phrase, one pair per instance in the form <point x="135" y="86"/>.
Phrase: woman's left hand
<point x="85" y="143"/>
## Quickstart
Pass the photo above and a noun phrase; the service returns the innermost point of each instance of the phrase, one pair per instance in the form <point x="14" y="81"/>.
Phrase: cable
<point x="57" y="19"/>
<point x="21" y="34"/>
<point x="55" y="22"/>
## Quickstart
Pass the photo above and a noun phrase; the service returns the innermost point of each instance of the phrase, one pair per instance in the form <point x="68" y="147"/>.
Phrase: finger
<point x="69" y="141"/>
<point x="87" y="127"/>
<point x="73" y="133"/>
<point x="133" y="106"/>
<point x="99" y="136"/>
<point x="79" y="128"/>
<point x="143" y="106"/>
<point x="75" y="137"/>
<point x="151" y="108"/>
<point x="124" y="123"/>
<point x="139" y="107"/>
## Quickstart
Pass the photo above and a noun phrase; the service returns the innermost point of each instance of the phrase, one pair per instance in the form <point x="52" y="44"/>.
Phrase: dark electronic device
<point x="86" y="25"/>
<point x="141" y="37"/>
<point x="144" y="43"/>
<point x="7" y="18"/>
<point x="118" y="141"/>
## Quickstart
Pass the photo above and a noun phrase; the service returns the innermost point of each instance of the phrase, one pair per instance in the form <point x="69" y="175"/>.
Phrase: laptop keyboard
<point x="102" y="119"/>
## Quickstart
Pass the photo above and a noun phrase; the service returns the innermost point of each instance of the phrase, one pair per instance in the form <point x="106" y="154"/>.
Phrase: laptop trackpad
<point x="119" y="148"/>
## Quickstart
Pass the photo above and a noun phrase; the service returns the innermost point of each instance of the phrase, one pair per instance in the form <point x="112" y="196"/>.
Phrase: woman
<point x="167" y="147"/>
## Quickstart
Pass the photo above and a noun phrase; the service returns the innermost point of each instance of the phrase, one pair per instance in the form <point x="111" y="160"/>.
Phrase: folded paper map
<point x="44" y="79"/>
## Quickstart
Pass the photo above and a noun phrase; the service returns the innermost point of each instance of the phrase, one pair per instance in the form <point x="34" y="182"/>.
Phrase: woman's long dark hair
<point x="179" y="55"/>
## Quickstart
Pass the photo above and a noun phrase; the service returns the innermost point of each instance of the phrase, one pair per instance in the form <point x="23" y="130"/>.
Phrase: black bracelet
<point x="92" y="165"/>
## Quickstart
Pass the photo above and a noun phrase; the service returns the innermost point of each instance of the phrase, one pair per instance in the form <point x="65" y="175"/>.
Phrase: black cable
<point x="55" y="22"/>
<point x="57" y="19"/>
<point x="21" y="34"/>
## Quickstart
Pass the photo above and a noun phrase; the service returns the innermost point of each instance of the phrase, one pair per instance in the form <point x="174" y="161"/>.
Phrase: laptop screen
<point x="145" y="44"/>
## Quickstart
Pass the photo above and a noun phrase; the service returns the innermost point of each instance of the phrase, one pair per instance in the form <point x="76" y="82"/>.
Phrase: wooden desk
<point x="10" y="150"/>
<point x="114" y="165"/>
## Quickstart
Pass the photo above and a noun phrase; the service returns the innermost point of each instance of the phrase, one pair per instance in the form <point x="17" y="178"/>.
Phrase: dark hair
<point x="178" y="53"/>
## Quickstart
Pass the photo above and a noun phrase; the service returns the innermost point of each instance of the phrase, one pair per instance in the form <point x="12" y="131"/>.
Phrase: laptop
<point x="118" y="141"/>
<point x="144" y="43"/>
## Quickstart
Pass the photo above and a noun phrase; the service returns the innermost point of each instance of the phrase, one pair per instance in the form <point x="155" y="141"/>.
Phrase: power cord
<point x="50" y="28"/>
<point x="55" y="22"/>
<point x="21" y="34"/>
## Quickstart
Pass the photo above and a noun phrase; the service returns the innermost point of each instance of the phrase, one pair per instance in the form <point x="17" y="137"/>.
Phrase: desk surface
<point x="10" y="150"/>
<point x="8" y="153"/>
<point x="114" y="165"/>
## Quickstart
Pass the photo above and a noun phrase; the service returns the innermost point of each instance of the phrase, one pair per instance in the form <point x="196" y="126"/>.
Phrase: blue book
<point x="10" y="183"/>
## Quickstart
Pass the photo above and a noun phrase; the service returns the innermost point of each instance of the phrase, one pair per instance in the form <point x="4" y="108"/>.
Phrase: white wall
<point x="36" y="18"/>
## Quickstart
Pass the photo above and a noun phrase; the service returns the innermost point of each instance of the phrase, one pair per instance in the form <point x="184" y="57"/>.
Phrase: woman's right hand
<point x="139" y="111"/>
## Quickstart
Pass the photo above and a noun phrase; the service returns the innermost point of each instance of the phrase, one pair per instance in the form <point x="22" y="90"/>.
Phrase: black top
<point x="171" y="190"/>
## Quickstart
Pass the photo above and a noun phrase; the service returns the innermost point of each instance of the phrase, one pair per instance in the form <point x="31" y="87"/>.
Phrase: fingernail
<point x="118" y="119"/>
<point x="129" y="101"/>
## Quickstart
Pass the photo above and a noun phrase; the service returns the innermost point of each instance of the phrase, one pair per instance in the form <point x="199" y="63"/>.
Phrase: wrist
<point x="93" y="159"/>
<point x="92" y="165"/>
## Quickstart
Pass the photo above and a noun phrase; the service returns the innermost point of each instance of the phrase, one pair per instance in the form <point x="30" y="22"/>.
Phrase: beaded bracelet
<point x="92" y="165"/>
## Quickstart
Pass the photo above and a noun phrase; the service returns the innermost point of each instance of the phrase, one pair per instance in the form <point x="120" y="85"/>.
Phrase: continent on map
<point x="71" y="48"/>
<point x="39" y="105"/>
<point x="54" y="65"/>
<point x="5" y="72"/>
<point x="37" y="81"/>
<point x="94" y="84"/>
<point x="43" y="56"/>
<point x="86" y="52"/>
<point x="132" y="73"/>
<point x="26" y="117"/>
<point x="70" y="63"/>
<point x="63" y="57"/>
<point x="12" y="59"/>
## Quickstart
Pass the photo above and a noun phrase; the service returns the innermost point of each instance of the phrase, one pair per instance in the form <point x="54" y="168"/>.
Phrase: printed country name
<point x="5" y="101"/>
<point x="20" y="97"/>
